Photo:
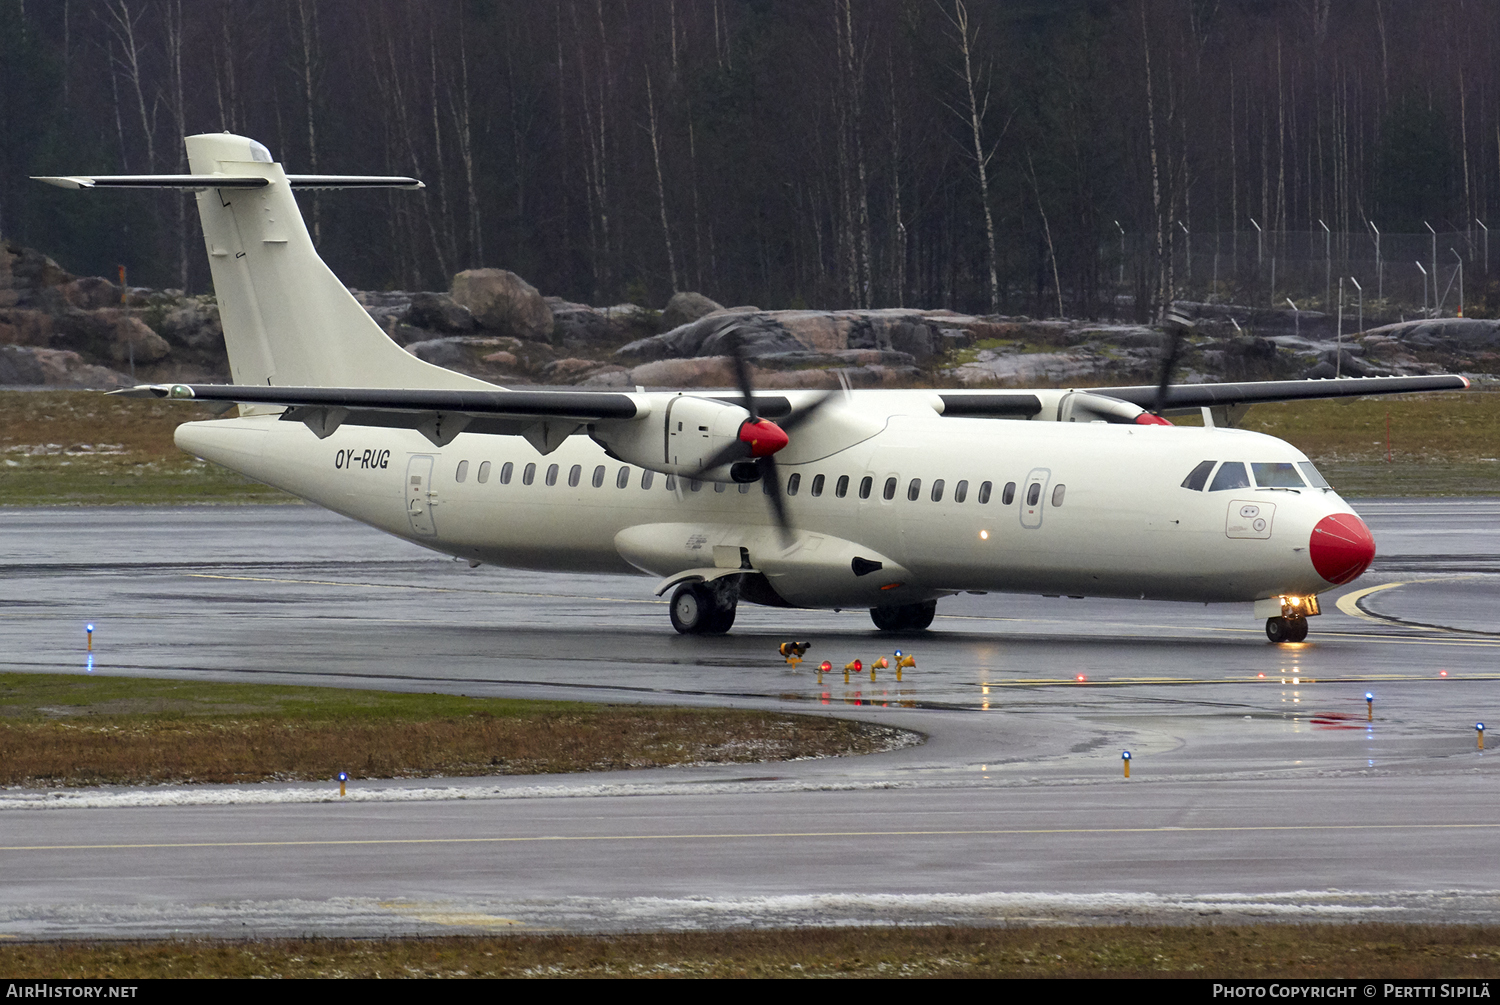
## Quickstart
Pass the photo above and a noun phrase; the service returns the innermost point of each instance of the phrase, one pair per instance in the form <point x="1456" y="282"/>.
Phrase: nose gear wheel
<point x="1286" y="629"/>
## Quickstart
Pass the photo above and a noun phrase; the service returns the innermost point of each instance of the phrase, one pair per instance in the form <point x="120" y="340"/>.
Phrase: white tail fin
<point x="288" y="321"/>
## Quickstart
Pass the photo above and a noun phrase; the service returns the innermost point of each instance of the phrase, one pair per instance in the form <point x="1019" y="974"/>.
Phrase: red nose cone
<point x="1151" y="419"/>
<point x="763" y="437"/>
<point x="1341" y="548"/>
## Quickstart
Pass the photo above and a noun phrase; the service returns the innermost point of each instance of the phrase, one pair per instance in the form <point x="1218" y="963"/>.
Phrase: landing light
<point x="984" y="535"/>
<point x="1080" y="678"/>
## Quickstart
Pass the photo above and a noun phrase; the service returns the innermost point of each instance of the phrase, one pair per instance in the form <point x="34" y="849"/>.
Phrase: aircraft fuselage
<point x="1024" y="507"/>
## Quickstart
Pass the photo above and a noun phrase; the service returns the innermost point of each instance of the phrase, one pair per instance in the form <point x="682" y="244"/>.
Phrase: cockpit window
<point x="1231" y="476"/>
<point x="1314" y="478"/>
<point x="1198" y="477"/>
<point x="1277" y="476"/>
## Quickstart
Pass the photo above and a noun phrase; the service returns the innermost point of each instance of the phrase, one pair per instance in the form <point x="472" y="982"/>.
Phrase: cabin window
<point x="462" y="472"/>
<point x="529" y="475"/>
<point x="1008" y="494"/>
<point x="745" y="488"/>
<point x="575" y="475"/>
<point x="1057" y="494"/>
<point x="484" y="472"/>
<point x="1231" y="476"/>
<point x="695" y="484"/>
<point x="506" y="470"/>
<point x="670" y="484"/>
<point x="646" y="478"/>
<point x="914" y="490"/>
<point x="984" y="492"/>
<point x="793" y="484"/>
<point x="1033" y="493"/>
<point x="765" y="485"/>
<point x="1277" y="476"/>
<point x="719" y="487"/>
<point x="937" y="490"/>
<point x="817" y="485"/>
<point x="865" y="484"/>
<point x="841" y="487"/>
<point x="552" y="474"/>
<point x="961" y="491"/>
<point x="1198" y="477"/>
<point x="599" y="476"/>
<point x="623" y="478"/>
<point x="1314" y="478"/>
<point x="890" y="488"/>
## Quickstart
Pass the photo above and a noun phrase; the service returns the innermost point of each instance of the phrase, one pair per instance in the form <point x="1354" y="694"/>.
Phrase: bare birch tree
<point x="976" y="111"/>
<point x="661" y="190"/>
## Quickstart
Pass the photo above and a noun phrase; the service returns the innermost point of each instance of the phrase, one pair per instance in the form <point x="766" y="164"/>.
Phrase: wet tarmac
<point x="1258" y="790"/>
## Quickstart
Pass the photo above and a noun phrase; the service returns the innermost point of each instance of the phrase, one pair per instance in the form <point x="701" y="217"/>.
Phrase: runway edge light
<point x="89" y="632"/>
<point x="1479" y="734"/>
<point x="343" y="778"/>
<point x="1125" y="759"/>
<point x="1369" y="706"/>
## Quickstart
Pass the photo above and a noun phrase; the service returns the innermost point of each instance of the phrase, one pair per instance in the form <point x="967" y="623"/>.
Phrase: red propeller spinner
<point x="762" y="436"/>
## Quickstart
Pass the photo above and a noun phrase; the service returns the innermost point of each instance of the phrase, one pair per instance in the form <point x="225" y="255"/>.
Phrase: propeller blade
<point x="771" y="479"/>
<point x="736" y="451"/>
<point x="801" y="415"/>
<point x="742" y="375"/>
<point x="1177" y="324"/>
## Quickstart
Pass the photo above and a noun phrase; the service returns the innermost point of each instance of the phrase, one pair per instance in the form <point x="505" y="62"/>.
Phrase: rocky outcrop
<point x="30" y="366"/>
<point x="503" y="302"/>
<point x="438" y="312"/>
<point x="685" y="308"/>
<point x="58" y="329"/>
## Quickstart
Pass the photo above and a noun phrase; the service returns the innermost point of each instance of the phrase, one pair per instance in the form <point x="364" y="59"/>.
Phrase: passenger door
<point x="419" y="495"/>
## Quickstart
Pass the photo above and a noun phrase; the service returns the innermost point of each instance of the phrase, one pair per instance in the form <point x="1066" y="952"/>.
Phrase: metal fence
<point x="1441" y="273"/>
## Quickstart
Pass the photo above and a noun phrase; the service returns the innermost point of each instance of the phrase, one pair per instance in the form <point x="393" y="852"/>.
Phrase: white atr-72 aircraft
<point x="887" y="500"/>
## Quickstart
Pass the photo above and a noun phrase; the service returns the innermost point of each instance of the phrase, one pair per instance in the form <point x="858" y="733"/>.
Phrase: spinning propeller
<point x="753" y="454"/>
<point x="1176" y="324"/>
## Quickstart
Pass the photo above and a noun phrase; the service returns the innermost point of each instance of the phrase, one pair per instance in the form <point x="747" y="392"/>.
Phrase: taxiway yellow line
<point x="752" y="836"/>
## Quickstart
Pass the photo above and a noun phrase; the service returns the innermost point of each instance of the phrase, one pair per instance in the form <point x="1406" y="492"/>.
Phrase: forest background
<point x="1018" y="156"/>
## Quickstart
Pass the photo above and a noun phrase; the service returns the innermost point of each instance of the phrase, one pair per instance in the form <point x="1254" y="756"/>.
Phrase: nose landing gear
<point x="1286" y="629"/>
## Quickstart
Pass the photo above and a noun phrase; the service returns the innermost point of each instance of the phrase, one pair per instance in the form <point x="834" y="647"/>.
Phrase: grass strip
<point x="1361" y="951"/>
<point x="68" y="730"/>
<point x="85" y="448"/>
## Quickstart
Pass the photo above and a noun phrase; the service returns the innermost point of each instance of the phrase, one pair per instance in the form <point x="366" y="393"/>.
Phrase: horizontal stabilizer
<point x="327" y="181"/>
<point x="202" y="182"/>
<point x="191" y="182"/>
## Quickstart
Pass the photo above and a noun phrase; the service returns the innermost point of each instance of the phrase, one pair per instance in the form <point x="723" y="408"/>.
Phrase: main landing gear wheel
<point x="704" y="608"/>
<point x="1286" y="629"/>
<point x="905" y="618"/>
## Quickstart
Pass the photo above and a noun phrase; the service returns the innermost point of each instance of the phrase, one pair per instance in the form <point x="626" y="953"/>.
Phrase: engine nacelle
<point x="1083" y="406"/>
<point x="679" y="436"/>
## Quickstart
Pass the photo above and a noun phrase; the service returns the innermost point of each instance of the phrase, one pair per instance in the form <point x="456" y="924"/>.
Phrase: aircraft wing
<point x="1182" y="398"/>
<point x="544" y="417"/>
